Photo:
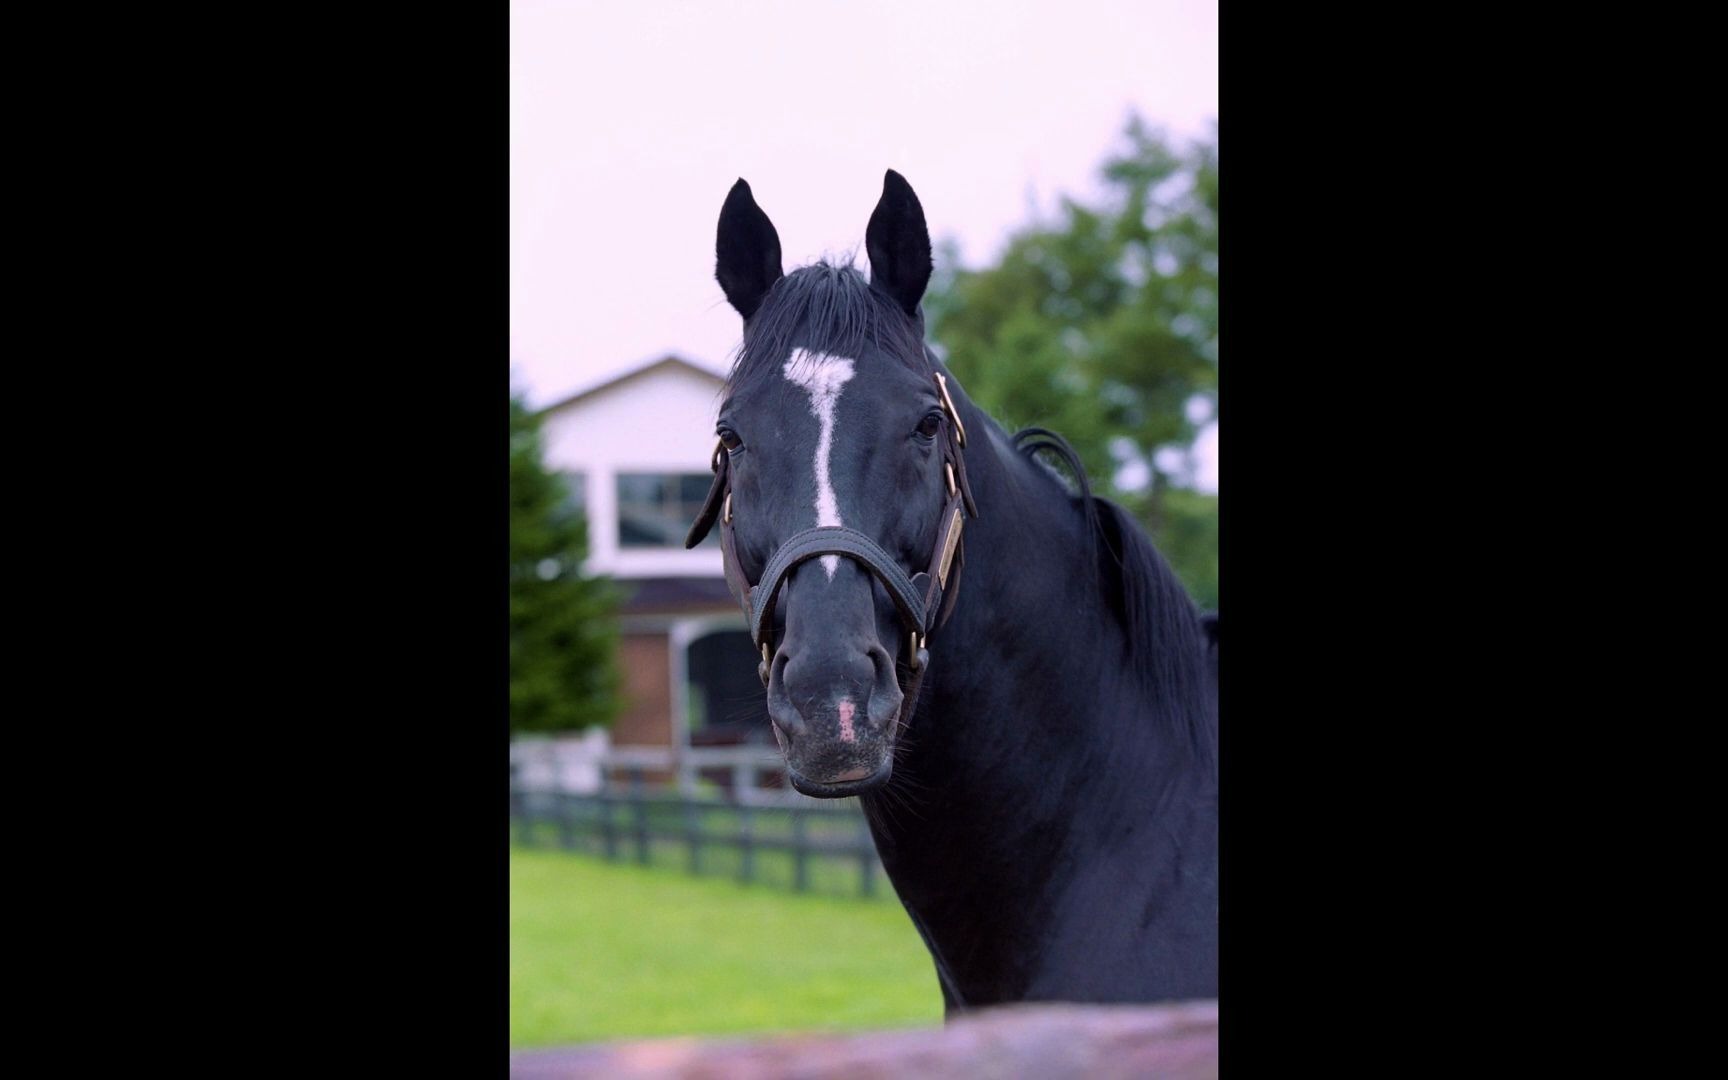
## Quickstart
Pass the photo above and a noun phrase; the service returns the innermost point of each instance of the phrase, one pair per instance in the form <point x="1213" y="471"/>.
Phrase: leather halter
<point x="924" y="600"/>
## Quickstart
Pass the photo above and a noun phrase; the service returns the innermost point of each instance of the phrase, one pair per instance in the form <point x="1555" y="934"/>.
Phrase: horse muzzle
<point x="833" y="703"/>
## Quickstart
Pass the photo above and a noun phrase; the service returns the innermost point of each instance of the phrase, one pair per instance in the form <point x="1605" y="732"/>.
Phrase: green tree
<point x="1103" y="326"/>
<point x="563" y="626"/>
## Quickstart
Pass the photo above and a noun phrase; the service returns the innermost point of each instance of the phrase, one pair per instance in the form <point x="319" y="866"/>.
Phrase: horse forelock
<point x="827" y="308"/>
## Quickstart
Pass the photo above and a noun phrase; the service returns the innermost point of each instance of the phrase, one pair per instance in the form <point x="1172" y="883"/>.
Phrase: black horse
<point x="1035" y="747"/>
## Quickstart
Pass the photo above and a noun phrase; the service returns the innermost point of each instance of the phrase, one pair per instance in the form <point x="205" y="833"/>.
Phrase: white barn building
<point x="635" y="451"/>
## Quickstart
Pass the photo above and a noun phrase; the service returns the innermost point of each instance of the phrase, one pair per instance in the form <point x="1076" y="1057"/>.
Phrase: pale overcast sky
<point x="629" y="122"/>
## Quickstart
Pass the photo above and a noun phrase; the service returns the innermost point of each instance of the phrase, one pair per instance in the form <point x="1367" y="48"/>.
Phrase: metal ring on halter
<point x="953" y="413"/>
<point x="952" y="489"/>
<point x="726" y="511"/>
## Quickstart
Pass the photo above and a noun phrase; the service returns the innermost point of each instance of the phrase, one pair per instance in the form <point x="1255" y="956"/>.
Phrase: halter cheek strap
<point x="924" y="600"/>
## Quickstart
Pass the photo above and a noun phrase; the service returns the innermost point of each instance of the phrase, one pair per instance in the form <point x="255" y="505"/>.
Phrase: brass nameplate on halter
<point x="954" y="524"/>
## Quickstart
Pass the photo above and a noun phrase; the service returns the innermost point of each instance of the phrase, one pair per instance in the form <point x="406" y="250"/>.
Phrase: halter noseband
<point x="924" y="600"/>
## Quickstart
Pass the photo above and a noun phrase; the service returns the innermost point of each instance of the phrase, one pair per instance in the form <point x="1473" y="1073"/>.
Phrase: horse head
<point x="838" y="486"/>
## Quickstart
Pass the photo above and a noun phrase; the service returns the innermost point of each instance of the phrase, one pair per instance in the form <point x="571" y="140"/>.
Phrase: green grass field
<point x="607" y="951"/>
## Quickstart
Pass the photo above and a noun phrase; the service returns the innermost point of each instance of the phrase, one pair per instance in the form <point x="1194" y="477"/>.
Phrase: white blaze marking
<point x="822" y="377"/>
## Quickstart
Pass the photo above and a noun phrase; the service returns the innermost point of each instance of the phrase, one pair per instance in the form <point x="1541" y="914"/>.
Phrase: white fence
<point x="589" y="764"/>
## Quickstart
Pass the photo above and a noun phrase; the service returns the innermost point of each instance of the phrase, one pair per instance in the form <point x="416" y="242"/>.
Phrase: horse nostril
<point x="885" y="695"/>
<point x="786" y="721"/>
<point x="829" y="689"/>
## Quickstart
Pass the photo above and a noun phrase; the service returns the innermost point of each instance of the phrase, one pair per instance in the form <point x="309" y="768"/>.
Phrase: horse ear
<point x="898" y="243"/>
<point x="747" y="250"/>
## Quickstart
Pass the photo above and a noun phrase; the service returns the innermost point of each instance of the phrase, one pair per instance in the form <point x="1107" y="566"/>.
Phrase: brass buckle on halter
<point x="948" y="406"/>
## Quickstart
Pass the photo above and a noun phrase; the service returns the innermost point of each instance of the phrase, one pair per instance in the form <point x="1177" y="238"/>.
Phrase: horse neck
<point x="1035" y="738"/>
<point x="1035" y="659"/>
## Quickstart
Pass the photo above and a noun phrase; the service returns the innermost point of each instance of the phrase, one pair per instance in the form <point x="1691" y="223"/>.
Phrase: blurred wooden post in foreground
<point x="1051" y="1042"/>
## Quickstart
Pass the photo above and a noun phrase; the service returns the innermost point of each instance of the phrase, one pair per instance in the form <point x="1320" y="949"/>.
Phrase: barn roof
<point x="665" y="363"/>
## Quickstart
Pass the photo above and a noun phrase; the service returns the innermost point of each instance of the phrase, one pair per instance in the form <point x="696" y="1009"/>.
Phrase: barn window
<point x="655" y="509"/>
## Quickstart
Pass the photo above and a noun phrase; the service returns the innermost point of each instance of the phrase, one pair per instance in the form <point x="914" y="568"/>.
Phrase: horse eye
<point x="930" y="425"/>
<point x="730" y="439"/>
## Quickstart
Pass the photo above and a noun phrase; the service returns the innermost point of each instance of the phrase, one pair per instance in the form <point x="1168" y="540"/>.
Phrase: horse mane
<point x="1171" y="646"/>
<point x="824" y="306"/>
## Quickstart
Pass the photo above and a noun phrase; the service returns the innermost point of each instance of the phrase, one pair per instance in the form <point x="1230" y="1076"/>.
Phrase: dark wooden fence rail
<point x="637" y="823"/>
